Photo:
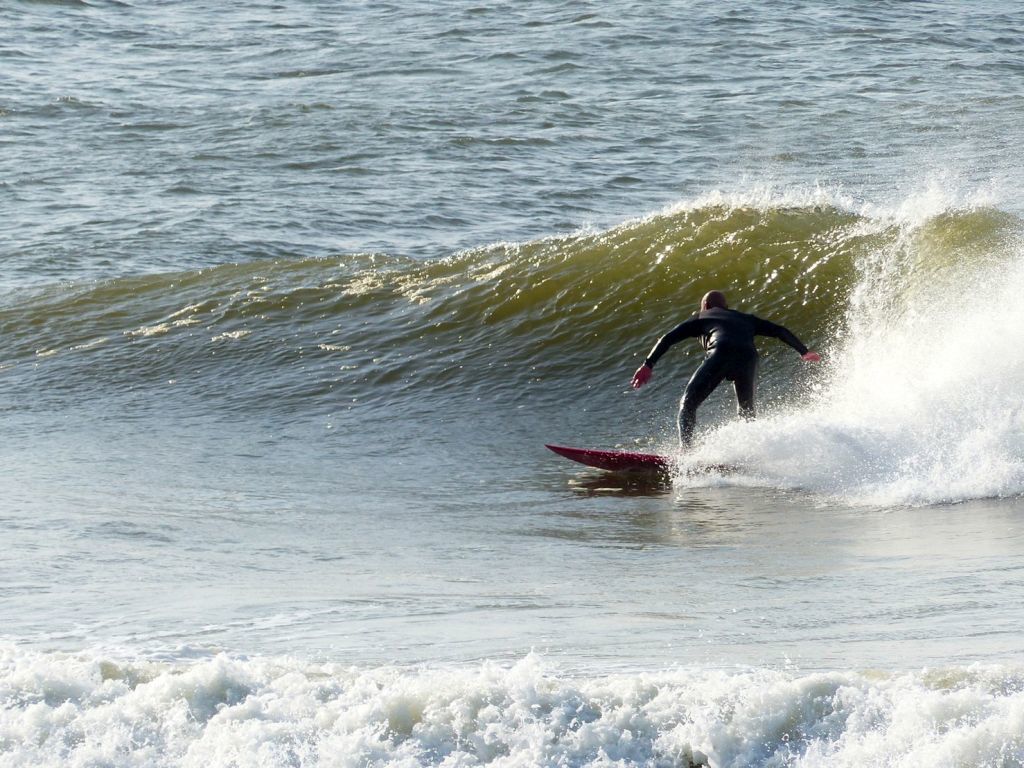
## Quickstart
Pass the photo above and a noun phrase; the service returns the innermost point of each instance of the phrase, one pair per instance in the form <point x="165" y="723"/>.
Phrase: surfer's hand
<point x="811" y="357"/>
<point x="642" y="376"/>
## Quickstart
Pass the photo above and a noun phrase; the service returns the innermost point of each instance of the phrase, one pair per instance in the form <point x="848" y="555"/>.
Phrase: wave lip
<point x="85" y="708"/>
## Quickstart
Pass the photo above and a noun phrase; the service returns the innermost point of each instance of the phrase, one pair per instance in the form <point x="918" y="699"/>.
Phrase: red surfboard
<point x="615" y="461"/>
<point x="631" y="461"/>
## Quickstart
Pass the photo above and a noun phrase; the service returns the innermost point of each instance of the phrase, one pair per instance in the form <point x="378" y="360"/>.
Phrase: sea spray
<point x="917" y="401"/>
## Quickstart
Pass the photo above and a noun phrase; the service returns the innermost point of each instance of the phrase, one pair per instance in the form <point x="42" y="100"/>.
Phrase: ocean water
<point x="293" y="294"/>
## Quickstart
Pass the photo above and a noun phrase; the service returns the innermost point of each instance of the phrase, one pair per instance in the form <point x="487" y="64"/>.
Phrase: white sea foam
<point x="919" y="401"/>
<point x="83" y="709"/>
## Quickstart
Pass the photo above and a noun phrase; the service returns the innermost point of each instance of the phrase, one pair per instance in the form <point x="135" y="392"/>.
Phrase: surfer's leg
<point x="703" y="382"/>
<point x="745" y="383"/>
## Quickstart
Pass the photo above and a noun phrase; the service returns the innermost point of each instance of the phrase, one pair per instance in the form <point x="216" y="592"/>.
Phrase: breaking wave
<point x="915" y="308"/>
<point x="88" y="709"/>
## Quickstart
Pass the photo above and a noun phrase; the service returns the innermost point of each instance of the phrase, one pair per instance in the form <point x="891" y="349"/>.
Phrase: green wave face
<point x="561" y="310"/>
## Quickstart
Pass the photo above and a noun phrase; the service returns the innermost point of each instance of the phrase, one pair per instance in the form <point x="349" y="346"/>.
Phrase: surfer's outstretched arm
<point x="688" y="329"/>
<point x="766" y="328"/>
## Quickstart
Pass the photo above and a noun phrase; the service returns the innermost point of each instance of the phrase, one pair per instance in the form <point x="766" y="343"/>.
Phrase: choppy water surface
<point x="294" y="293"/>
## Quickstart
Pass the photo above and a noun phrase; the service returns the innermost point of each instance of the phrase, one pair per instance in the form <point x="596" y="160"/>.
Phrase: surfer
<point x="728" y="339"/>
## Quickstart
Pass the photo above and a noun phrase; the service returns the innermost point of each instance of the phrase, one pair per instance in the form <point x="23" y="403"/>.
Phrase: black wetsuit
<point x="728" y="338"/>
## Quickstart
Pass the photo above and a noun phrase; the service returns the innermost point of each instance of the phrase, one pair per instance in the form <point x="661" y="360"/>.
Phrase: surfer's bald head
<point x="713" y="299"/>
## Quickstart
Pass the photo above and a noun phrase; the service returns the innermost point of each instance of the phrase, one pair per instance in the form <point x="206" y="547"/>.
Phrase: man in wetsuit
<point x="728" y="338"/>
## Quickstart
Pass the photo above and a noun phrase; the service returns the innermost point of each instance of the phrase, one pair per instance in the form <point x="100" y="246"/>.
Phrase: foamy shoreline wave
<point x="89" y="709"/>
